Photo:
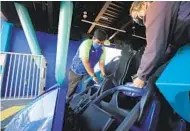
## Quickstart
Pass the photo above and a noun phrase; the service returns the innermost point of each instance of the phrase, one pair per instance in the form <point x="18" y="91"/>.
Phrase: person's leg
<point x="74" y="80"/>
<point x="85" y="77"/>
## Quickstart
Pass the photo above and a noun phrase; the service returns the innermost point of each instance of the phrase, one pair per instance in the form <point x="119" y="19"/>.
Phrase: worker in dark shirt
<point x="167" y="29"/>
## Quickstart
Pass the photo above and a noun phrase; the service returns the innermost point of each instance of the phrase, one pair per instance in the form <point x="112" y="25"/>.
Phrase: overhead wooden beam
<point x="115" y="5"/>
<point x="110" y="15"/>
<point x="104" y="22"/>
<point x="101" y="25"/>
<point x="114" y="9"/>
<point x="102" y="11"/>
<point x="139" y="37"/>
<point x="122" y="28"/>
<point x="112" y="12"/>
<point x="109" y="18"/>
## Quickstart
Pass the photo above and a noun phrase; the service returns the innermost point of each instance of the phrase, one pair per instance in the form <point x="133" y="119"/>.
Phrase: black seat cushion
<point x="96" y="119"/>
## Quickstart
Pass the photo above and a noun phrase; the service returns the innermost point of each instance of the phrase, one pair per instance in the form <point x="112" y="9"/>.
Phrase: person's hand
<point x="95" y="79"/>
<point x="138" y="83"/>
<point x="102" y="75"/>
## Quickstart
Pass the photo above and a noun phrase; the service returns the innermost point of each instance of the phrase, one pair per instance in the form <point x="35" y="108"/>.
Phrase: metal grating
<point x="22" y="75"/>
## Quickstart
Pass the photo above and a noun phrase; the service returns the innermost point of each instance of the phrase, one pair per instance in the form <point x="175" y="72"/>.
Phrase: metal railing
<point x="22" y="76"/>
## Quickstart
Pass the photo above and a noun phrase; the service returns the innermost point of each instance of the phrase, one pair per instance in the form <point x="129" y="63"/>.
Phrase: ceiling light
<point x="85" y="12"/>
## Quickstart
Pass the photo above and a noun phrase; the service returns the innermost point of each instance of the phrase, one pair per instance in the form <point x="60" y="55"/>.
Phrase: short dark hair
<point x="100" y="34"/>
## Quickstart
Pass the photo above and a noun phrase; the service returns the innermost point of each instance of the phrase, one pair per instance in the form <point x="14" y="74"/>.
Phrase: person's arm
<point x="158" y="21"/>
<point x="102" y="63"/>
<point x="87" y="66"/>
<point x="84" y="55"/>
<point x="102" y="67"/>
<point x="89" y="69"/>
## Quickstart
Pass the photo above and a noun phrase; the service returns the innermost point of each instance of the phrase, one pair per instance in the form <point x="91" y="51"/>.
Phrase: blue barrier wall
<point x="48" y="44"/>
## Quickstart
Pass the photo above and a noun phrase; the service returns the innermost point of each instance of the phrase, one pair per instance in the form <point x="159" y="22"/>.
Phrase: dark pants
<point x="74" y="80"/>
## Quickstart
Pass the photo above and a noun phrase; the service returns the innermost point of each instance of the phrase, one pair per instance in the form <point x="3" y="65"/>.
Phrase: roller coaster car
<point x="124" y="107"/>
<point x="161" y="106"/>
<point x="125" y="66"/>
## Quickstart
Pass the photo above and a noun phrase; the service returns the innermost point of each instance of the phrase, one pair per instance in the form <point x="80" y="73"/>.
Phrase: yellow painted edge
<point x="9" y="112"/>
